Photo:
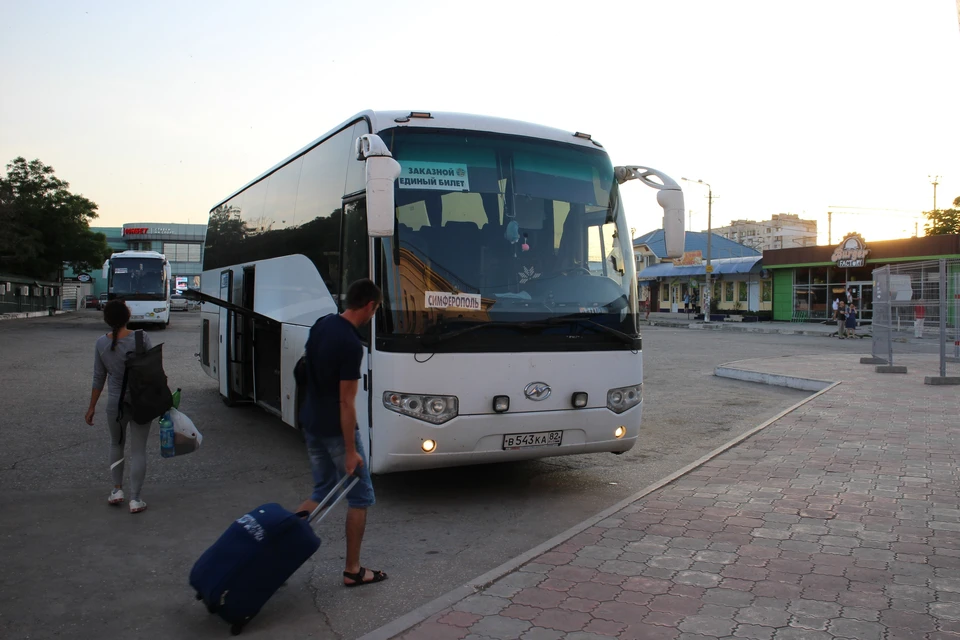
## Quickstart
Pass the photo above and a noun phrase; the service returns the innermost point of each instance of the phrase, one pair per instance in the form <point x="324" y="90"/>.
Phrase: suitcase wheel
<point x="236" y="629"/>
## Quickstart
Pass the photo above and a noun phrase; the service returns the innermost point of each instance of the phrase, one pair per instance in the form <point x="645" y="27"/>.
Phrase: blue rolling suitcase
<point x="254" y="557"/>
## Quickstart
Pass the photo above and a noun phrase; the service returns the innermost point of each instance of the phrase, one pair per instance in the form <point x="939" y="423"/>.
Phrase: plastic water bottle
<point x="166" y="437"/>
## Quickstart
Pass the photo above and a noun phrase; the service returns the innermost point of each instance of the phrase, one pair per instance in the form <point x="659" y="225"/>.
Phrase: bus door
<point x="226" y="294"/>
<point x="241" y="363"/>
<point x="355" y="265"/>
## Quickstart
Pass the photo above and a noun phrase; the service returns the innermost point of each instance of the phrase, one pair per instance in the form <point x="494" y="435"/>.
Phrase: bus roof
<point x="138" y="254"/>
<point x="382" y="120"/>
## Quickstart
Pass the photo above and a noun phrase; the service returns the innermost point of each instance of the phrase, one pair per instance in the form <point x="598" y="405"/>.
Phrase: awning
<point x="746" y="264"/>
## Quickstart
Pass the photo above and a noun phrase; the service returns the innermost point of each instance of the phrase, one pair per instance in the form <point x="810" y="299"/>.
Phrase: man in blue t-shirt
<point x="328" y="416"/>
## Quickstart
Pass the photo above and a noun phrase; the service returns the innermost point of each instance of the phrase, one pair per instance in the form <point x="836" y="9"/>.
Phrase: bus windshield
<point x="138" y="278"/>
<point x="516" y="233"/>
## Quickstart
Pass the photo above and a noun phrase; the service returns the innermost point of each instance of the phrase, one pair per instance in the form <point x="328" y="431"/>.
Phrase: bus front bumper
<point x="481" y="439"/>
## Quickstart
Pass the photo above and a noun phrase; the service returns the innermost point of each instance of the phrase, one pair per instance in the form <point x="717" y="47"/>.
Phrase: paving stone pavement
<point x="839" y="520"/>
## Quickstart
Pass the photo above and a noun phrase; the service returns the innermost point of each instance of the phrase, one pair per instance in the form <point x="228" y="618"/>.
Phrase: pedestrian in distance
<point x="109" y="363"/>
<point x="836" y="306"/>
<point x="686" y="304"/>
<point x="334" y="352"/>
<point x="852" y="321"/>
<point x="841" y="320"/>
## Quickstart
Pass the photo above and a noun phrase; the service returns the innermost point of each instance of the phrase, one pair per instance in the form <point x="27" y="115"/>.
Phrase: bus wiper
<point x="443" y="337"/>
<point x="626" y="338"/>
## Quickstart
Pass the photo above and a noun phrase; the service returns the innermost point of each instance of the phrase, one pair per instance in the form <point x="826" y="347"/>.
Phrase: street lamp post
<point x="709" y="270"/>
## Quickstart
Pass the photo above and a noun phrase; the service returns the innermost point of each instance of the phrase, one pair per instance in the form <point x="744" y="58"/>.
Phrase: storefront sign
<point x="851" y="252"/>
<point x="83" y="277"/>
<point x="142" y="231"/>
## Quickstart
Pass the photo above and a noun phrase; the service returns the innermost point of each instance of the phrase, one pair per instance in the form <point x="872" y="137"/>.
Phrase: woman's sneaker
<point x="136" y="506"/>
<point x="116" y="497"/>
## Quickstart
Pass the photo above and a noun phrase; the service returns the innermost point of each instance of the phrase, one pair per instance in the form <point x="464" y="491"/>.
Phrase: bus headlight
<point x="623" y="398"/>
<point x="433" y="409"/>
<point x="160" y="310"/>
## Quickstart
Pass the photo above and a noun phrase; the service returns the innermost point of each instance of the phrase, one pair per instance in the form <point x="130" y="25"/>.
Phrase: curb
<point x="740" y="328"/>
<point x="774" y="379"/>
<point x="418" y="615"/>
<point x="30" y="314"/>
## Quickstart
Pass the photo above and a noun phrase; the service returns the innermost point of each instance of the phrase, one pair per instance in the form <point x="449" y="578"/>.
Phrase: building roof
<point x="745" y="264"/>
<point x="720" y="247"/>
<point x="922" y="248"/>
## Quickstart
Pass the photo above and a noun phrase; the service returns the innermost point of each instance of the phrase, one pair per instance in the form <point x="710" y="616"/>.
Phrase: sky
<point x="158" y="111"/>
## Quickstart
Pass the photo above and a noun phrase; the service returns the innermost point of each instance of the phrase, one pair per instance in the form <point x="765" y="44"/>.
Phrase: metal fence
<point x="916" y="309"/>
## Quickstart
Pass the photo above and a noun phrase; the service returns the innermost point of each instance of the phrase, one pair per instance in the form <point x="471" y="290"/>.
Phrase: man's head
<point x="363" y="298"/>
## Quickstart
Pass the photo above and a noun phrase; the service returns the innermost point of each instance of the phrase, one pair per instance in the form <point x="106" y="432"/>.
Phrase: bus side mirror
<point x="670" y="199"/>
<point x="106" y="270"/>
<point x="673" y="233"/>
<point x="382" y="171"/>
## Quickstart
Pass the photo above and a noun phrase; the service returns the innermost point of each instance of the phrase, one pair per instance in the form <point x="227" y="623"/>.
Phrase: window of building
<point x="742" y="291"/>
<point x="766" y="290"/>
<point x="181" y="251"/>
<point x="728" y="292"/>
<point x="665" y="293"/>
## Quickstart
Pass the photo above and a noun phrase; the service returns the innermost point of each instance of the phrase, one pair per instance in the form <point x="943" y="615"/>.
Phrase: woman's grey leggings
<point x="138" y="449"/>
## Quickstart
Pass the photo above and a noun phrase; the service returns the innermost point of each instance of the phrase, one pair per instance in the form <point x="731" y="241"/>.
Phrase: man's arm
<point x="348" y="424"/>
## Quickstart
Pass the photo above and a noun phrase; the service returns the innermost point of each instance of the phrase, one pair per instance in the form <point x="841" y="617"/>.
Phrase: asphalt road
<point x="74" y="567"/>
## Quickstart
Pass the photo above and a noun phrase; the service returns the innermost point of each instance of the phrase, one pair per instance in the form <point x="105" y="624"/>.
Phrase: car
<point x="178" y="303"/>
<point x="90" y="302"/>
<point x="102" y="302"/>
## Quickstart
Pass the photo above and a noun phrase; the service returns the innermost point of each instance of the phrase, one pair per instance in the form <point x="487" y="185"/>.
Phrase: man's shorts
<point x="327" y="455"/>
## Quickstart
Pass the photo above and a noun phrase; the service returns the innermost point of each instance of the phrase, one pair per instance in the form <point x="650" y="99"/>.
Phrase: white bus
<point x="509" y="324"/>
<point x="142" y="280"/>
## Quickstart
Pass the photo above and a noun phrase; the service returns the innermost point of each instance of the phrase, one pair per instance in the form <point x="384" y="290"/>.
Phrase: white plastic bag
<point x="186" y="437"/>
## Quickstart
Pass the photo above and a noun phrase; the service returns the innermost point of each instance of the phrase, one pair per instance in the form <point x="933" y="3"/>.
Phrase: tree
<point x="45" y="226"/>
<point x="943" y="221"/>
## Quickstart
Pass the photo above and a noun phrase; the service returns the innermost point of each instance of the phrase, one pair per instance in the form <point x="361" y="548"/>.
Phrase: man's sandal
<point x="378" y="576"/>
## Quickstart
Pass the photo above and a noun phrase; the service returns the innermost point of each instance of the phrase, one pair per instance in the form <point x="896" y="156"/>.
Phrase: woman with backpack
<point x="109" y="363"/>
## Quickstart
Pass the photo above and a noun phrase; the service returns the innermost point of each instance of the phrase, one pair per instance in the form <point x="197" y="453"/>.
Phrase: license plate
<point x="136" y="317"/>
<point x="539" y="439"/>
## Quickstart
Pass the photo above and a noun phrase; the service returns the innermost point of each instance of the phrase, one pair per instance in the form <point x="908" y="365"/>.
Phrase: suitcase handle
<point x="326" y="499"/>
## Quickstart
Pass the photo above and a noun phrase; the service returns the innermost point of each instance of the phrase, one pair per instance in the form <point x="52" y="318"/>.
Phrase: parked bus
<point x="142" y="280"/>
<point x="509" y="325"/>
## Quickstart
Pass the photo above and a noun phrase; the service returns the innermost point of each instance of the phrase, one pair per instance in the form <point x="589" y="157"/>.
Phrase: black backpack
<point x="146" y="383"/>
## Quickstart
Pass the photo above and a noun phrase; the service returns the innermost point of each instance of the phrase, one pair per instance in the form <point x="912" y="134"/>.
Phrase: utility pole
<point x="935" y="183"/>
<point x="934" y="221"/>
<point x="829" y="228"/>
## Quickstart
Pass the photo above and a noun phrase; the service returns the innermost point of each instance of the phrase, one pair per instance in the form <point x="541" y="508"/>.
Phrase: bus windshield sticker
<point x="440" y="176"/>
<point x="444" y="300"/>
<point x="120" y="270"/>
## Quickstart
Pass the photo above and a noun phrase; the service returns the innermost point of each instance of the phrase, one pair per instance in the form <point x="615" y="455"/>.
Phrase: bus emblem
<point x="537" y="391"/>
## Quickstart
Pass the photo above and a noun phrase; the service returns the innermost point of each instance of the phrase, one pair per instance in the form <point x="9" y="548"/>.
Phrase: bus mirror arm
<point x="382" y="172"/>
<point x="198" y="296"/>
<point x="670" y="199"/>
